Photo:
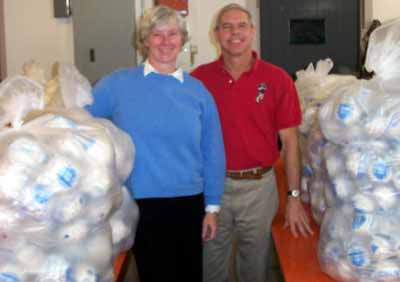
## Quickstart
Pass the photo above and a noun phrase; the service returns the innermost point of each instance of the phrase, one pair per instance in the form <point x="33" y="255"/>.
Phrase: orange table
<point x="118" y="265"/>
<point x="297" y="256"/>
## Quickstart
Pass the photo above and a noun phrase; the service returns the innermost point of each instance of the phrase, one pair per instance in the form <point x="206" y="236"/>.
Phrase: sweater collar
<point x="148" y="68"/>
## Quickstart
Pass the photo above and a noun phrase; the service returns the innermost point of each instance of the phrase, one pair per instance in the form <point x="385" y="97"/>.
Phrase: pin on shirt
<point x="261" y="91"/>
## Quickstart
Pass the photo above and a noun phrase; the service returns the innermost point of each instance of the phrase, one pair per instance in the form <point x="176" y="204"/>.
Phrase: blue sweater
<point x="175" y="128"/>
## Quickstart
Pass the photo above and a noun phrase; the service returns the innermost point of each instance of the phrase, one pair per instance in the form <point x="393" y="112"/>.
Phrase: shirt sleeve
<point x="102" y="99"/>
<point x="289" y="112"/>
<point x="213" y="151"/>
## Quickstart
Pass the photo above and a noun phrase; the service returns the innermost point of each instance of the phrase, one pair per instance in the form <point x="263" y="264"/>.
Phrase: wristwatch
<point x="295" y="193"/>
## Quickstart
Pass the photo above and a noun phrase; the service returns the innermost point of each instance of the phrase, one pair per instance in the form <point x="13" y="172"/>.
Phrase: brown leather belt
<point x="253" y="173"/>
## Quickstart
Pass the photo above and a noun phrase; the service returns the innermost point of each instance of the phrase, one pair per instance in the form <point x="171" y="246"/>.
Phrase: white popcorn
<point x="381" y="247"/>
<point x="387" y="197"/>
<point x="35" y="198"/>
<point x="344" y="270"/>
<point x="30" y="256"/>
<point x="362" y="121"/>
<point x="358" y="256"/>
<point x="99" y="211"/>
<point x="9" y="216"/>
<point x="386" y="271"/>
<point x="100" y="151"/>
<point x="395" y="179"/>
<point x="73" y="206"/>
<point x="13" y="181"/>
<point x="377" y="126"/>
<point x="357" y="163"/>
<point x="72" y="144"/>
<point x="363" y="223"/>
<point x="348" y="112"/>
<point x="99" y="249"/>
<point x="61" y="173"/>
<point x="334" y="164"/>
<point x="393" y="131"/>
<point x="343" y="187"/>
<point x="76" y="231"/>
<point x="123" y="147"/>
<point x="10" y="272"/>
<point x="380" y="171"/>
<point x="54" y="269"/>
<point x="83" y="273"/>
<point x="58" y="121"/>
<point x="363" y="203"/>
<point x="97" y="183"/>
<point x="26" y="152"/>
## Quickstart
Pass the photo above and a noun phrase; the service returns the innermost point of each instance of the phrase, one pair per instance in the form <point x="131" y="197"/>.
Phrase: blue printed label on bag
<point x="67" y="177"/>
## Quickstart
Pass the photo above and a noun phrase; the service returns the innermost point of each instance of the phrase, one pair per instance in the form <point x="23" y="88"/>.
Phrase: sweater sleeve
<point x="212" y="147"/>
<point x="102" y="99"/>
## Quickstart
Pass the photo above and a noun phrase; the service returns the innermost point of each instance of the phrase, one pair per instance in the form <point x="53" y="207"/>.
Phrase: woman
<point x="180" y="162"/>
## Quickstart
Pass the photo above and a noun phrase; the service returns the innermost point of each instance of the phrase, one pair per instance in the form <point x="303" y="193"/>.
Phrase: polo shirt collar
<point x="148" y="68"/>
<point x="256" y="62"/>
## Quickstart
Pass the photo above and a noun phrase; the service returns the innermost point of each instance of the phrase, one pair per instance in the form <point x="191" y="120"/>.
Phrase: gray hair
<point x="154" y="17"/>
<point x="230" y="7"/>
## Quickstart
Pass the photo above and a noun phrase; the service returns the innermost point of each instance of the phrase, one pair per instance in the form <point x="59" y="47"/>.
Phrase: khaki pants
<point x="247" y="210"/>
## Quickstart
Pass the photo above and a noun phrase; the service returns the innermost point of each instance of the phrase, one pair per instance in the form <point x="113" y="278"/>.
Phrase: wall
<point x="2" y="43"/>
<point x="385" y="10"/>
<point x="201" y="15"/>
<point x="32" y="32"/>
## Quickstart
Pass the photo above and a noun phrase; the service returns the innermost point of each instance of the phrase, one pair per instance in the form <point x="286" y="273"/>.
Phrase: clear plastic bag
<point x="62" y="196"/>
<point x="360" y="233"/>
<point x="383" y="55"/>
<point x="76" y="90"/>
<point x="123" y="223"/>
<point x="123" y="147"/>
<point x="314" y="86"/>
<point x="18" y="96"/>
<point x="59" y="190"/>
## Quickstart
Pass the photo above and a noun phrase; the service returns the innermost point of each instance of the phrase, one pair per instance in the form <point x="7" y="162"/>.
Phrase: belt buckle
<point x="257" y="172"/>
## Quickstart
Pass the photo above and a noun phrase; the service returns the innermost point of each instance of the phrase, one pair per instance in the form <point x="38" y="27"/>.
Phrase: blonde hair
<point x="231" y="7"/>
<point x="157" y="16"/>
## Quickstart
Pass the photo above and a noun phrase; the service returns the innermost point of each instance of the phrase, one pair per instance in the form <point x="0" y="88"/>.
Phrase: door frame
<point x="3" y="69"/>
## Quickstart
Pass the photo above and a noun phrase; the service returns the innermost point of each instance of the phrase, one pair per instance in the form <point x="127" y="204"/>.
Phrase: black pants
<point x="168" y="244"/>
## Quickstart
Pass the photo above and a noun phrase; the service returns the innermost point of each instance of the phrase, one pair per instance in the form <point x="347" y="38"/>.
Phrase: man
<point x="257" y="102"/>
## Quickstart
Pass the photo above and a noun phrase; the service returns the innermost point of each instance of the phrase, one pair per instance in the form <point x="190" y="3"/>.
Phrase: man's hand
<point x="296" y="218"/>
<point x="209" y="227"/>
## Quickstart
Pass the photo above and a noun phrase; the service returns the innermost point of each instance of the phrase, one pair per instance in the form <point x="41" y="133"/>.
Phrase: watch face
<point x="294" y="193"/>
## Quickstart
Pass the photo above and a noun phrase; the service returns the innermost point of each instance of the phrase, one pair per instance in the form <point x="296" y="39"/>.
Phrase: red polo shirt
<point x="252" y="110"/>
